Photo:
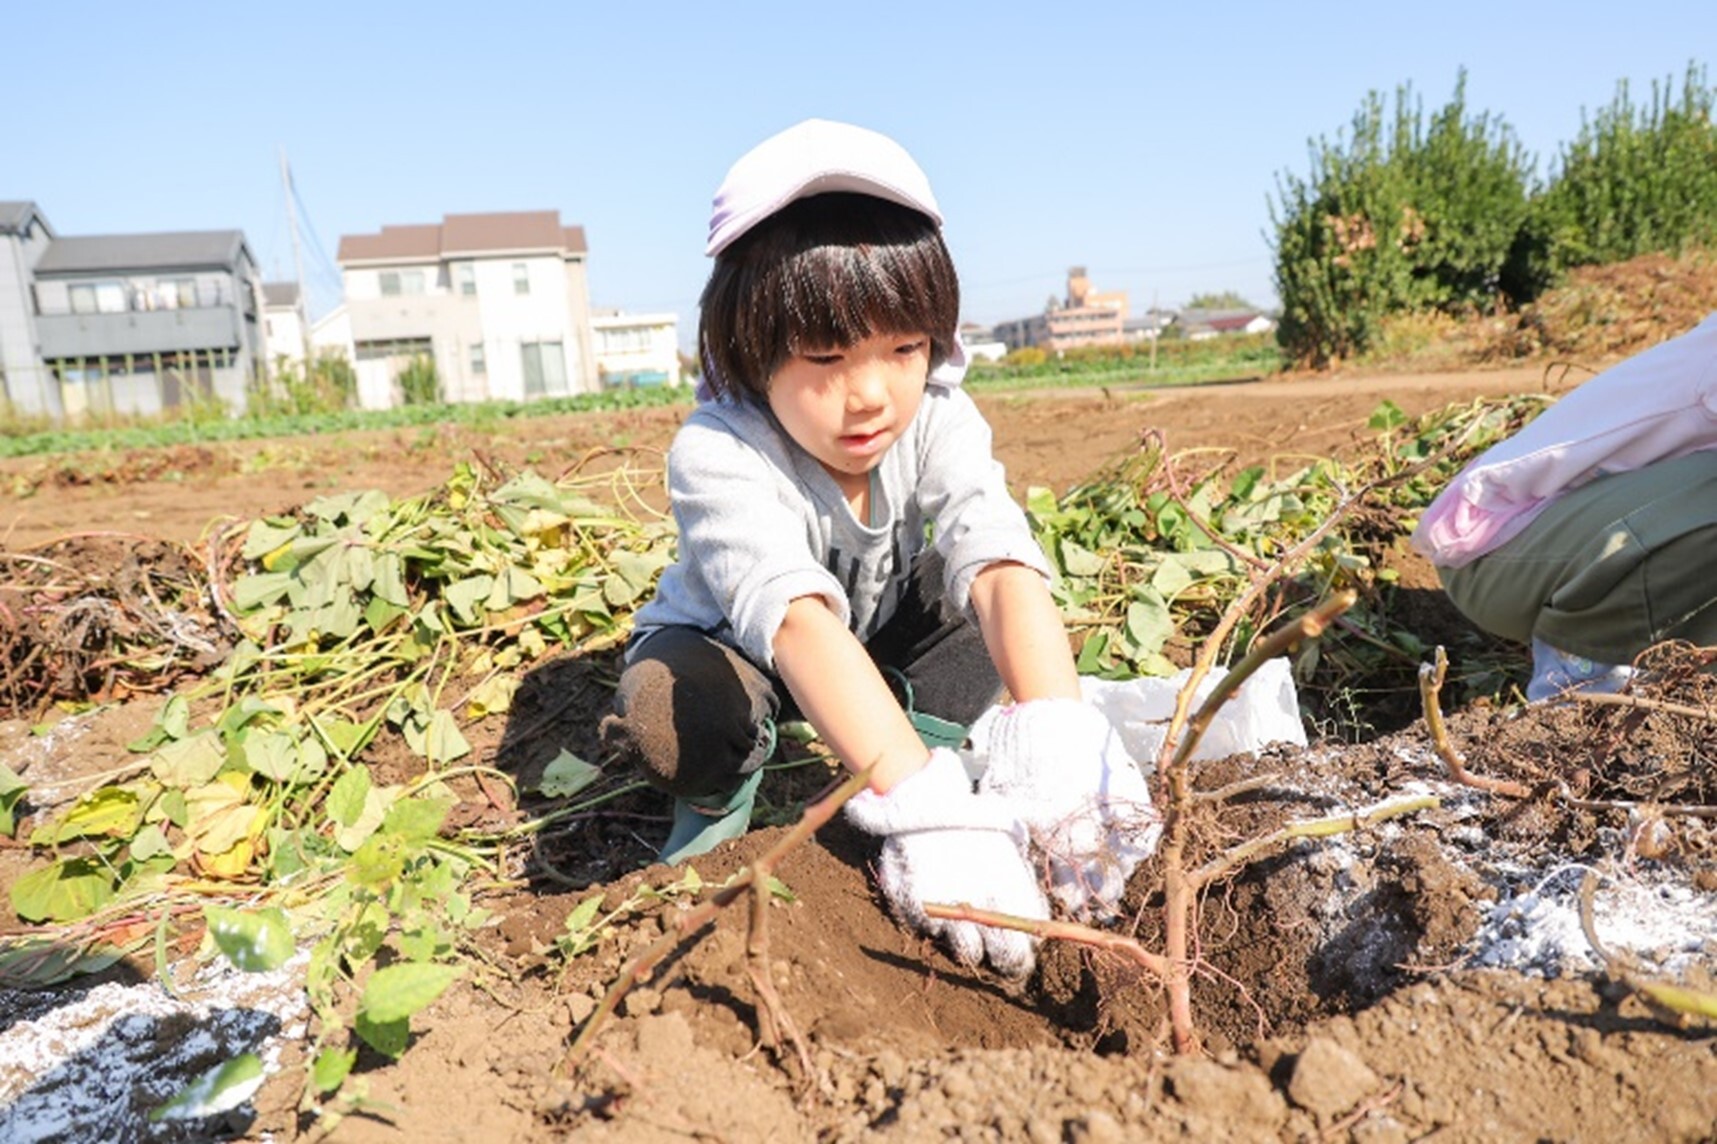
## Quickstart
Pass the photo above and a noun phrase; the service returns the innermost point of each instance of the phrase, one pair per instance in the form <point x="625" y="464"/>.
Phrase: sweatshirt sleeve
<point x="963" y="491"/>
<point x="745" y="530"/>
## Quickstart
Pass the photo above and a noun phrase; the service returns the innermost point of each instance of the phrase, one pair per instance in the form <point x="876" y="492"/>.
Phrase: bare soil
<point x="1344" y="996"/>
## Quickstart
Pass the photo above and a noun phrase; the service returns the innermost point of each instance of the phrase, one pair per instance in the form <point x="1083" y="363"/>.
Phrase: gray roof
<point x="15" y="216"/>
<point x="173" y="250"/>
<point x="280" y="293"/>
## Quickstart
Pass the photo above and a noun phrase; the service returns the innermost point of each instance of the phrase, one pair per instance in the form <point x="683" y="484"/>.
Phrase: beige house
<point x="499" y="303"/>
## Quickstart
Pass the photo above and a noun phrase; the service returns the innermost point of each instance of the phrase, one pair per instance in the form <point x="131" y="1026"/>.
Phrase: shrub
<point x="418" y="382"/>
<point x="1397" y="217"/>
<point x="1637" y="180"/>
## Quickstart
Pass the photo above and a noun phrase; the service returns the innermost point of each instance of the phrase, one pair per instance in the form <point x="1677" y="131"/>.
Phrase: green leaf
<point x="1092" y="653"/>
<point x="398" y="991"/>
<point x="331" y="1067"/>
<point x="425" y="942"/>
<point x="345" y="736"/>
<point x="388" y="1038"/>
<point x="63" y="892"/>
<point x="466" y="596"/>
<point x="443" y="742"/>
<point x="259" y="589"/>
<point x="150" y="842"/>
<point x="271" y="754"/>
<point x="388" y="583"/>
<point x="352" y="835"/>
<point x="264" y="537"/>
<point x="12" y="791"/>
<point x="566" y="775"/>
<point x="221" y="1089"/>
<point x="779" y="889"/>
<point x="368" y="930"/>
<point x="578" y="922"/>
<point x="1386" y="416"/>
<point x="36" y="963"/>
<point x="189" y="762"/>
<point x="253" y="940"/>
<point x="1079" y="561"/>
<point x="348" y="796"/>
<point x="416" y="820"/>
<point x="1149" y="625"/>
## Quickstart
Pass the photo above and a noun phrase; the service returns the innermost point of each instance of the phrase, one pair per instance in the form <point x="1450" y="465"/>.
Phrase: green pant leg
<point x="1609" y="569"/>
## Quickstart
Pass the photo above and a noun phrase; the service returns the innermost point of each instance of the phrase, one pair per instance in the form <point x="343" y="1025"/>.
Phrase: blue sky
<point x="1142" y="141"/>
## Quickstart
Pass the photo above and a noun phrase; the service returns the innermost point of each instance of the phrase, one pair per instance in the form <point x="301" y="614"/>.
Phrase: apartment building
<point x="499" y="303"/>
<point x="124" y="323"/>
<point x="1085" y="317"/>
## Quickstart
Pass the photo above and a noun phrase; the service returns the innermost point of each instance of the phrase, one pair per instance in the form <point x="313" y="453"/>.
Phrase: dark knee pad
<point x="692" y="715"/>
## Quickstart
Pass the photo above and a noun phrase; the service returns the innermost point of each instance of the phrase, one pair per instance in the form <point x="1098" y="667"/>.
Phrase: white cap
<point x="814" y="158"/>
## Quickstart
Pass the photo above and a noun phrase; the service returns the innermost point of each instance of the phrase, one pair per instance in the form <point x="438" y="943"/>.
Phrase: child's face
<point x="847" y="405"/>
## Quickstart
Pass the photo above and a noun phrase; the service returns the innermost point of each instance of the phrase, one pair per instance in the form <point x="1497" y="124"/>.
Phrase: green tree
<point x="1226" y="300"/>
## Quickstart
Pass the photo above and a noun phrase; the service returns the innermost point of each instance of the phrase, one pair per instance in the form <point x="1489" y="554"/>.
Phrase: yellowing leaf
<point x="112" y="812"/>
<point x="494" y="696"/>
<point x="376" y="803"/>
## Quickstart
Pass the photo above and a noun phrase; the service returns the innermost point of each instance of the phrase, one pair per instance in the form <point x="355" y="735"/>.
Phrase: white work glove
<point x="1062" y="766"/>
<point x="945" y="843"/>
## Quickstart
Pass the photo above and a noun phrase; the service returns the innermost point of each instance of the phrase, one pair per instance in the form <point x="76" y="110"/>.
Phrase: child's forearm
<point x="1024" y="634"/>
<point x="841" y="692"/>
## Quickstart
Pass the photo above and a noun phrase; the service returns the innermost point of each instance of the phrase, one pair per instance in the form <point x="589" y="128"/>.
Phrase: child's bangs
<point x="837" y="295"/>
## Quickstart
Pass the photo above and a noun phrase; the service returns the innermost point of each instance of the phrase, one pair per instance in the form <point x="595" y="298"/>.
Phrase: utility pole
<point x="1156" y="331"/>
<point x="297" y="261"/>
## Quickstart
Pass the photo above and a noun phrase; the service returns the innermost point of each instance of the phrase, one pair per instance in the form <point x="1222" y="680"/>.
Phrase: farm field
<point x="1423" y="978"/>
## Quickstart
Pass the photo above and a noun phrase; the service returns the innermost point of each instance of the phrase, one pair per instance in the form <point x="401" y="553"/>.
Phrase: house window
<point x="545" y="369"/>
<point x="175" y="294"/>
<point x="396" y="282"/>
<point x="464" y="278"/>
<point x="97" y="297"/>
<point x="521" y="278"/>
<point x="479" y="362"/>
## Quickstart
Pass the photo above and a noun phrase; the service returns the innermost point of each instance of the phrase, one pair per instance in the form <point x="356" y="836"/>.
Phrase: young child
<point x="1591" y="534"/>
<point x="849" y="554"/>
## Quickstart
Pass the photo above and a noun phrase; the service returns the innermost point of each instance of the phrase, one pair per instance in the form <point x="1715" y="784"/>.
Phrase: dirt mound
<point x="1384" y="984"/>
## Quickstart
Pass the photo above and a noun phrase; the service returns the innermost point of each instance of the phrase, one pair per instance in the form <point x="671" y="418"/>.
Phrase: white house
<point x="500" y="303"/>
<point x="636" y="349"/>
<point x="285" y="327"/>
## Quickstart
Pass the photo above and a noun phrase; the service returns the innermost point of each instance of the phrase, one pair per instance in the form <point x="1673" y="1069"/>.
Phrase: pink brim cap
<point x="813" y="158"/>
